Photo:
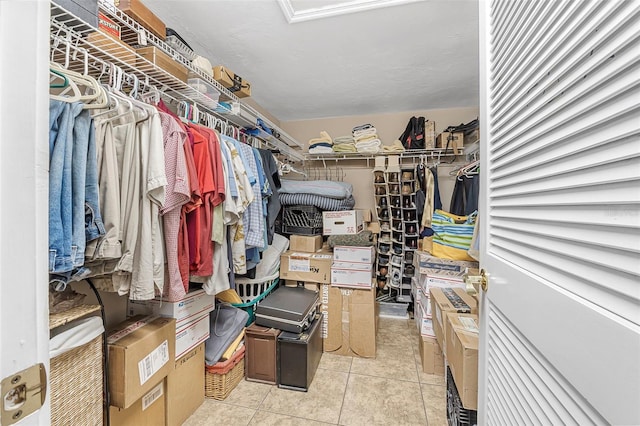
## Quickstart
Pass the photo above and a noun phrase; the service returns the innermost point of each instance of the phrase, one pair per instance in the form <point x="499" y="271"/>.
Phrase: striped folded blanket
<point x="323" y="203"/>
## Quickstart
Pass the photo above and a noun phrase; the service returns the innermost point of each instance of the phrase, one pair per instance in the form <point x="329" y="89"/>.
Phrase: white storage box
<point x="425" y="323"/>
<point x="354" y="254"/>
<point x="356" y="275"/>
<point x="190" y="334"/>
<point x="428" y="264"/>
<point x="430" y="281"/>
<point x="194" y="305"/>
<point x="347" y="222"/>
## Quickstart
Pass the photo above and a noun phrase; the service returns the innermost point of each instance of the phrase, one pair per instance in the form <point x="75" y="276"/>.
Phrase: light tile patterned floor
<point x="388" y="390"/>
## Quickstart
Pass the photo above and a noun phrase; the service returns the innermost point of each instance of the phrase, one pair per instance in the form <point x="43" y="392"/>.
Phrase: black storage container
<point x="299" y="356"/>
<point x="303" y="220"/>
<point x="457" y="415"/>
<point x="288" y="309"/>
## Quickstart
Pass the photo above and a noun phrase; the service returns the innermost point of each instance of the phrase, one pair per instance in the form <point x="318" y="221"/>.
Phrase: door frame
<point x="24" y="188"/>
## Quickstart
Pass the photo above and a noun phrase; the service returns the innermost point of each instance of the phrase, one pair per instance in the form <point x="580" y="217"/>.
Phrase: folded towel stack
<point x="366" y="138"/>
<point x="395" y="147"/>
<point x="321" y="145"/>
<point x="344" y="144"/>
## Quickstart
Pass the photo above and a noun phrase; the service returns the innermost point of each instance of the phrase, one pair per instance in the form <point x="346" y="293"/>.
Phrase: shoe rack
<point x="382" y="201"/>
<point x="410" y="233"/>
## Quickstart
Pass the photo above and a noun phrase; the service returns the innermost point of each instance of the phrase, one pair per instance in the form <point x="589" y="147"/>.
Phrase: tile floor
<point x="388" y="390"/>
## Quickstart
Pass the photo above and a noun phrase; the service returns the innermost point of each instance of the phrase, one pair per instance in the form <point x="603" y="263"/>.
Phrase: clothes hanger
<point x="56" y="75"/>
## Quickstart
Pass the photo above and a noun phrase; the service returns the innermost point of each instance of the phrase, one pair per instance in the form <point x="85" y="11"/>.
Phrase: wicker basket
<point x="76" y="384"/>
<point x="222" y="377"/>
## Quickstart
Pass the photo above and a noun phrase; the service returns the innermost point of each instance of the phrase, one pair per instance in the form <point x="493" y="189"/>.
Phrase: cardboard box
<point x="354" y="254"/>
<point x="189" y="335"/>
<point x="164" y="61"/>
<point x="232" y="81"/>
<point x="185" y="387"/>
<point x="430" y="281"/>
<point x="112" y="46"/>
<point x="462" y="356"/>
<point x="146" y="411"/>
<point x="445" y="300"/>
<point x="349" y="321"/>
<point x="455" y="141"/>
<point x="141" y="14"/>
<point x="108" y="26"/>
<point x="348" y="222"/>
<point x="431" y="356"/>
<point x="423" y="300"/>
<point x="193" y="306"/>
<point x="306" y="243"/>
<point x="429" y="134"/>
<point x="312" y="267"/>
<point x="374" y="227"/>
<point x="427" y="264"/>
<point x="141" y="353"/>
<point x="424" y="320"/>
<point x="356" y="275"/>
<point x="367" y="215"/>
<point x="308" y="285"/>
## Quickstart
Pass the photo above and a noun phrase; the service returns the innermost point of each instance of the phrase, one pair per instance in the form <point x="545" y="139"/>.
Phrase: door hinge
<point x="23" y="393"/>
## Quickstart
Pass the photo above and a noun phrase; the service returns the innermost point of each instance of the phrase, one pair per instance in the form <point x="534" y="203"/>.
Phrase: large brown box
<point x="260" y="356"/>
<point x="232" y="81"/>
<point x="146" y="411"/>
<point x="429" y="134"/>
<point x="462" y="356"/>
<point x="185" y="387"/>
<point x="311" y="267"/>
<point x="141" y="353"/>
<point x="350" y="316"/>
<point x="431" y="355"/>
<point x="141" y="14"/>
<point x="444" y="300"/>
<point x="164" y="61"/>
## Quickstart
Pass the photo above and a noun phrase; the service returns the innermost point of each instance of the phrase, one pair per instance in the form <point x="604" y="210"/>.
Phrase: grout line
<point x="297" y="417"/>
<point x="344" y="395"/>
<point x="418" y="370"/>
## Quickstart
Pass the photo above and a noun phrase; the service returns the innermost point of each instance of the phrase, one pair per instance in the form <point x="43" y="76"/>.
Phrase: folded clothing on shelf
<point x="323" y="141"/>
<point x="396" y="146"/>
<point x="343" y="140"/>
<point x="319" y="149"/>
<point x="363" y="130"/>
<point x="345" y="147"/>
<point x="371" y="146"/>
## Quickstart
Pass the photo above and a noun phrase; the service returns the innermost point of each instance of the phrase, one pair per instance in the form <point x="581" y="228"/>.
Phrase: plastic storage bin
<point x="207" y="94"/>
<point x="303" y="220"/>
<point x="253" y="291"/>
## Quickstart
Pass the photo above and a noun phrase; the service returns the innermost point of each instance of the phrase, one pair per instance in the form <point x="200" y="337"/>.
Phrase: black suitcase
<point x="288" y="309"/>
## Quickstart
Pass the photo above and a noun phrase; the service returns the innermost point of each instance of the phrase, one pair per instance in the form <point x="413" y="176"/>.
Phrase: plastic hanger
<point x="55" y="75"/>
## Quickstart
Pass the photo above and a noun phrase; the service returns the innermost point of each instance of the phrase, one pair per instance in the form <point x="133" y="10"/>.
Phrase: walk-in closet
<point x="284" y="212"/>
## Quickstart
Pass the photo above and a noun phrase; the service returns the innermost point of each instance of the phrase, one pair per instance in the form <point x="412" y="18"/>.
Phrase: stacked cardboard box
<point x="191" y="315"/>
<point x="352" y="266"/>
<point x="141" y="355"/>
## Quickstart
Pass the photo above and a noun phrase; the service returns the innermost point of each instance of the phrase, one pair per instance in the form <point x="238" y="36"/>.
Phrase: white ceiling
<point x="405" y="57"/>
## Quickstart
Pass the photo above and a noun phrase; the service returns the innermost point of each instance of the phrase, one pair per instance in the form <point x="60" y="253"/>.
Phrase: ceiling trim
<point x="294" y="16"/>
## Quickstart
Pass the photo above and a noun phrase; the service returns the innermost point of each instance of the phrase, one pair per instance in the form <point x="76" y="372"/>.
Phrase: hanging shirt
<point x="273" y="202"/>
<point x="253" y="219"/>
<point x="199" y="221"/>
<point x="177" y="194"/>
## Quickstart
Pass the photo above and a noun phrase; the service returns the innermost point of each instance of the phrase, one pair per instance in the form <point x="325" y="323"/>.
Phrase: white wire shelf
<point x="412" y="154"/>
<point x="80" y="47"/>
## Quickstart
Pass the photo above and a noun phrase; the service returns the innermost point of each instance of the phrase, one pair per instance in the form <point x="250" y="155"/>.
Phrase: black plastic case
<point x="299" y="356"/>
<point x="288" y="309"/>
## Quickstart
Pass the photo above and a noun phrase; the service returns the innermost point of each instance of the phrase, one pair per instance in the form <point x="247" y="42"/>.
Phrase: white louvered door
<point x="560" y="212"/>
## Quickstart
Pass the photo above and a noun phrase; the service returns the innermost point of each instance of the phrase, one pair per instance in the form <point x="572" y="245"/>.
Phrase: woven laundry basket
<point x="222" y="377"/>
<point x="76" y="386"/>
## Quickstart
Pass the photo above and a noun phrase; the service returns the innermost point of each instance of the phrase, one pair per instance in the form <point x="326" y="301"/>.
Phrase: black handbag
<point x="413" y="135"/>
